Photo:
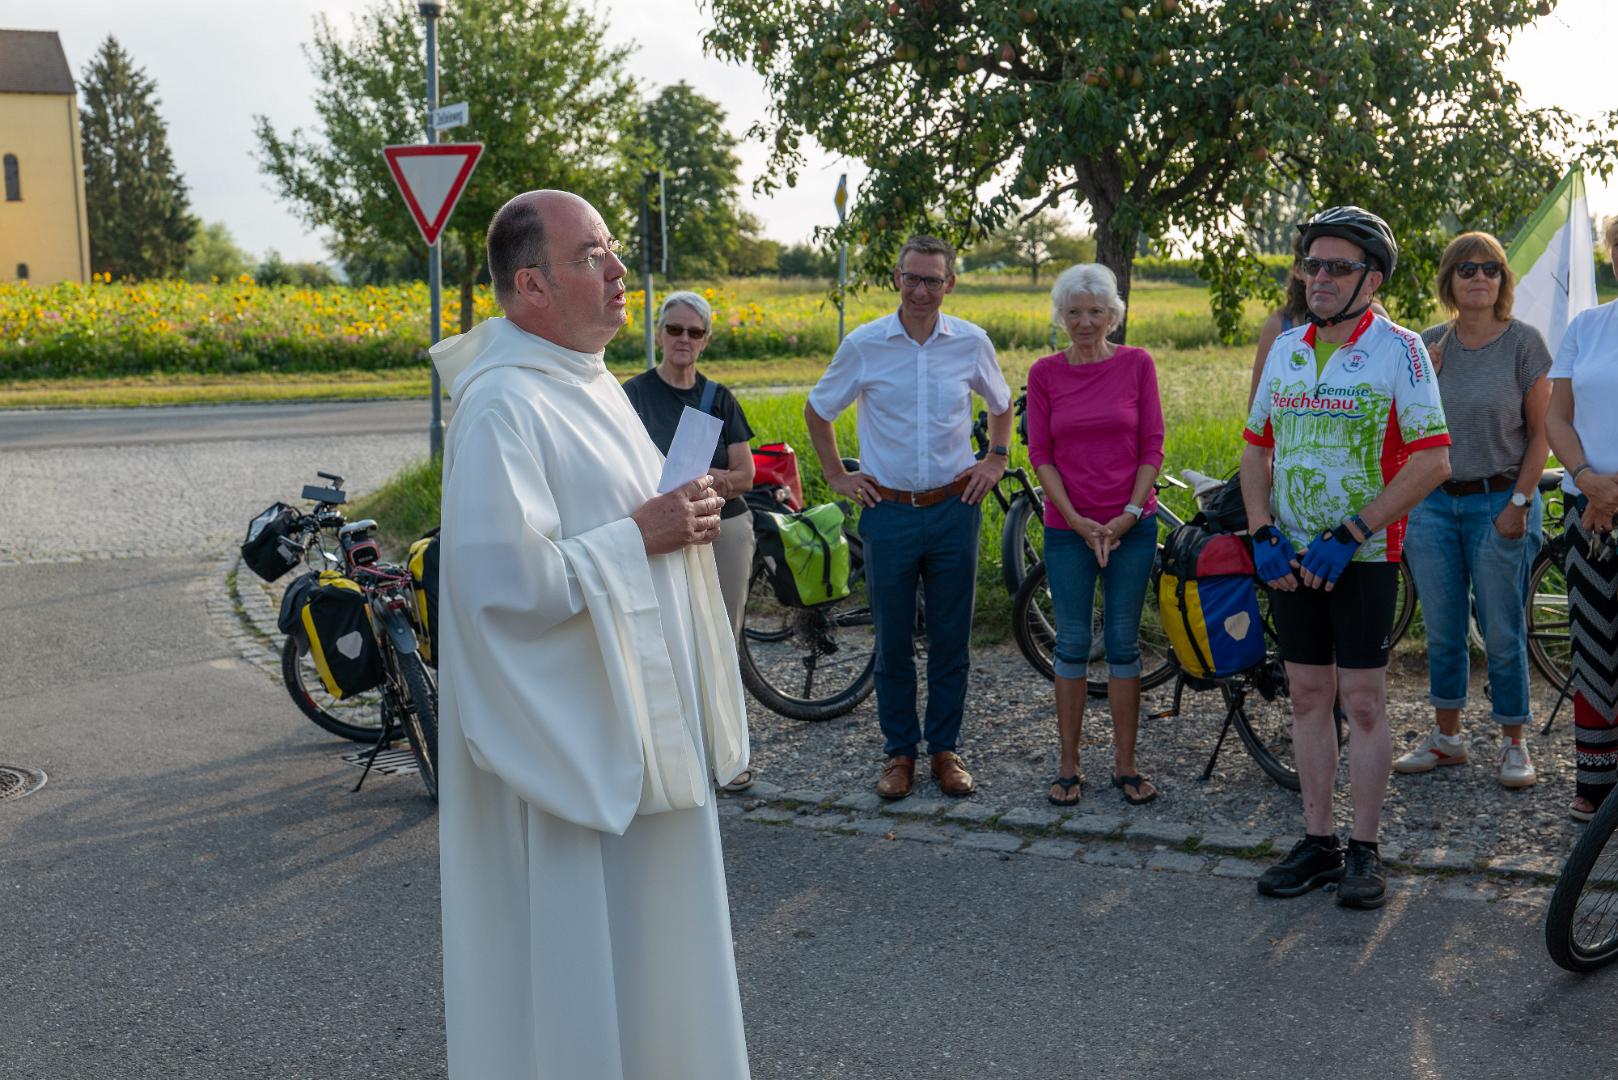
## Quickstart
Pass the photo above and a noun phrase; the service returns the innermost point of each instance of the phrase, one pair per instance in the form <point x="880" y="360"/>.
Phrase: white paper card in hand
<point x="691" y="452"/>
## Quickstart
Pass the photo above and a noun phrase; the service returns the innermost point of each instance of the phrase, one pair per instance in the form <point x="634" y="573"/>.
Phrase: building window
<point x="22" y="271"/>
<point x="13" y="184"/>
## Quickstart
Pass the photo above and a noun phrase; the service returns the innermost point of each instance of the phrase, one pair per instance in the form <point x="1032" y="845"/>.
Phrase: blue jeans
<point x="937" y="547"/>
<point x="1071" y="570"/>
<point x="1455" y="553"/>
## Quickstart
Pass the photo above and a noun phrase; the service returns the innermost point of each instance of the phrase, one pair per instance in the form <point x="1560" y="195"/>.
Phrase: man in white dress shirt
<point x="589" y="693"/>
<point x="911" y="376"/>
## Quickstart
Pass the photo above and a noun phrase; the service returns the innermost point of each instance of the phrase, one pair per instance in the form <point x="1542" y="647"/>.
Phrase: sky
<point x="218" y="63"/>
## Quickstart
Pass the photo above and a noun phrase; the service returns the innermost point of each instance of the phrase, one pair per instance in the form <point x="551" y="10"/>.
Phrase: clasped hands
<point x="1601" y="507"/>
<point x="1320" y="564"/>
<point x="1102" y="538"/>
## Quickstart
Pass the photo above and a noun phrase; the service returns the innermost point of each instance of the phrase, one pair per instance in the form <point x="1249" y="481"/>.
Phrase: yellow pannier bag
<point x="336" y="619"/>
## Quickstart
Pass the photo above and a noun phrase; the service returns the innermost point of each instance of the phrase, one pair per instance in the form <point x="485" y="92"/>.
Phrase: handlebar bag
<point x="805" y="554"/>
<point x="342" y="636"/>
<point x="423" y="563"/>
<point x="1207" y="595"/>
<point x="271" y="548"/>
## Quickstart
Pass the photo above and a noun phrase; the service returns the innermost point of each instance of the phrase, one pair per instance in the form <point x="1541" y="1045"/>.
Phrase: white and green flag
<point x="1554" y="260"/>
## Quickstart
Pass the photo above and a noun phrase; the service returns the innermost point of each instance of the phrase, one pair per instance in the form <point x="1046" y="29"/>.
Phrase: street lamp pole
<point x="430" y="11"/>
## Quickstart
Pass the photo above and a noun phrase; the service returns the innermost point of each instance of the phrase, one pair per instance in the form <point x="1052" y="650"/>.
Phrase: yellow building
<point x="44" y="237"/>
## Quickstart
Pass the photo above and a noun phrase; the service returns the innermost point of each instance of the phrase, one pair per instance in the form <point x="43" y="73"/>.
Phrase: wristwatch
<point x="1000" y="448"/>
<point x="1519" y="500"/>
<point x="1138" y="511"/>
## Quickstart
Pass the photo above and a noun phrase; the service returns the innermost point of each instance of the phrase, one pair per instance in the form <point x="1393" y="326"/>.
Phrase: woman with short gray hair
<point x="660" y="395"/>
<point x="1095" y="438"/>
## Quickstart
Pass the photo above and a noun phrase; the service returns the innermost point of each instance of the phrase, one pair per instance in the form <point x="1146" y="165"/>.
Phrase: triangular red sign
<point x="431" y="177"/>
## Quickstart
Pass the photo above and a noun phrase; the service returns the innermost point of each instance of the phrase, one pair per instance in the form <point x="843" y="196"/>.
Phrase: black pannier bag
<point x="342" y="638"/>
<point x="423" y="563"/>
<point x="290" y="621"/>
<point x="271" y="548"/>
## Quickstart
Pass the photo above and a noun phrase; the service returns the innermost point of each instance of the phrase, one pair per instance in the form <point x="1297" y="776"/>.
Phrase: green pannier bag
<point x="336" y="619"/>
<point x="423" y="563"/>
<point x="805" y="554"/>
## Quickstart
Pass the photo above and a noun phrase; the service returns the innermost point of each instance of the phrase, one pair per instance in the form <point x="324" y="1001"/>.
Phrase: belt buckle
<point x="914" y="495"/>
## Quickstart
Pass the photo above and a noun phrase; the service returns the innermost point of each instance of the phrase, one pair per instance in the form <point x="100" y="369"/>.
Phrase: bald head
<point x="517" y="236"/>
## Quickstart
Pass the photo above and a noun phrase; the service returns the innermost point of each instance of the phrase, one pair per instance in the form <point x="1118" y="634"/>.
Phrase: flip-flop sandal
<point x="742" y="782"/>
<point x="1067" y="784"/>
<point x="1580" y="815"/>
<point x="1124" y="783"/>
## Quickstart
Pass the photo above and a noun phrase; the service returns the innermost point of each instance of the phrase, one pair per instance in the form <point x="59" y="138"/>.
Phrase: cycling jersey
<point x="1340" y="435"/>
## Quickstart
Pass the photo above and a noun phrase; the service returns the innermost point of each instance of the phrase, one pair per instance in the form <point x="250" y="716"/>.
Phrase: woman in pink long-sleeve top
<point x="1095" y="437"/>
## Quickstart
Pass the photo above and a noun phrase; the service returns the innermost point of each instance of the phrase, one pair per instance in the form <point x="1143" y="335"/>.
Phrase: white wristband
<point x="1138" y="511"/>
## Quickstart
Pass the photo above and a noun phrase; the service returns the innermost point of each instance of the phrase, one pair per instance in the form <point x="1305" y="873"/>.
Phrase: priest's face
<point x="587" y="286"/>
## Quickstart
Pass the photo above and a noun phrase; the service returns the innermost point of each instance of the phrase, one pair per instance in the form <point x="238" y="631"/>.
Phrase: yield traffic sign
<point x="431" y="177"/>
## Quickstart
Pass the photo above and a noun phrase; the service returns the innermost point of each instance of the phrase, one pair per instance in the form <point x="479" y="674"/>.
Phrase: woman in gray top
<point x="1478" y="533"/>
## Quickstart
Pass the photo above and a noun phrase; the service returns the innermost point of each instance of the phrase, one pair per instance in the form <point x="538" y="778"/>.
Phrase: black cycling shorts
<point x="1351" y="626"/>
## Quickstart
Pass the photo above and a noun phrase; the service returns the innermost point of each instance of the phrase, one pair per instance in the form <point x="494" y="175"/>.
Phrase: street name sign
<point x="431" y="177"/>
<point x="449" y="116"/>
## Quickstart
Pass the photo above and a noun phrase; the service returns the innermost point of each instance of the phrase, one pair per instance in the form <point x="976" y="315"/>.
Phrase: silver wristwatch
<point x="1519" y="500"/>
<point x="1138" y="511"/>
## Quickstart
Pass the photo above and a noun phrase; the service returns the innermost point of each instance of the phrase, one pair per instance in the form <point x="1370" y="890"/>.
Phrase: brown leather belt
<point x="1497" y="482"/>
<point x="930" y="497"/>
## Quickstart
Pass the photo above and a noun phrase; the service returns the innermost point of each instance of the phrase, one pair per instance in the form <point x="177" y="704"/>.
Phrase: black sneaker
<point x="1363" y="885"/>
<point x="1309" y="865"/>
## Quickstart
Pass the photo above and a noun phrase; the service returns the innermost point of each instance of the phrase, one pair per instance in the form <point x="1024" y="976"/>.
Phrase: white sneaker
<point x="1516" y="771"/>
<point x="1432" y="753"/>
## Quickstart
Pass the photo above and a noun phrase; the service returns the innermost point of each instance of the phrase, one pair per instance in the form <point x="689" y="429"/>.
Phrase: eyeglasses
<point x="593" y="261"/>
<point x="695" y="333"/>
<point x="1334" y="267"/>
<point x="931" y="284"/>
<point x="1469" y="270"/>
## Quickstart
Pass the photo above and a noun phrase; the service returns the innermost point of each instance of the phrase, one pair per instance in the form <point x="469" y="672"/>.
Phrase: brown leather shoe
<point x="950" y="772"/>
<point x="898" y="774"/>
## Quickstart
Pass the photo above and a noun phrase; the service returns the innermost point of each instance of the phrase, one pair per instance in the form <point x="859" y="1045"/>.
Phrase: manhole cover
<point x="389" y="762"/>
<point x="19" y="780"/>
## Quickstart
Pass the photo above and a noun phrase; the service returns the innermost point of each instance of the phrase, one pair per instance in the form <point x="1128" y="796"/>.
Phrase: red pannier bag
<point x="776" y="465"/>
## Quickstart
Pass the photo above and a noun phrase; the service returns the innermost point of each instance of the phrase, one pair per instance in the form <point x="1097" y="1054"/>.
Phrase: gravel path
<point x="1456" y="817"/>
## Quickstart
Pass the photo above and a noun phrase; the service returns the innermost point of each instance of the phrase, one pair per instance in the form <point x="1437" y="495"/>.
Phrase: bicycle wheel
<point x="809" y="663"/>
<point x="419" y="713"/>
<point x="1022" y="539"/>
<point x="1264" y="722"/>
<point x="1581" y="922"/>
<point x="1033" y="624"/>
<point x="1405" y="605"/>
<point x="1549" y="647"/>
<point x="358" y="718"/>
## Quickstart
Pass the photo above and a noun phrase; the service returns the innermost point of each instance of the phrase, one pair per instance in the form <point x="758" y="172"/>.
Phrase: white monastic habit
<point x="589" y="697"/>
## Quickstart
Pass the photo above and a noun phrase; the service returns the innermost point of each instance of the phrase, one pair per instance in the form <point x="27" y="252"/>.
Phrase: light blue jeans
<point x="1071" y="571"/>
<point x="1455" y="553"/>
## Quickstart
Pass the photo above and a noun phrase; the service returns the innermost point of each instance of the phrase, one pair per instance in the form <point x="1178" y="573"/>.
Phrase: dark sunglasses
<point x="1469" y="270"/>
<point x="1333" y="267"/>
<point x="695" y="333"/>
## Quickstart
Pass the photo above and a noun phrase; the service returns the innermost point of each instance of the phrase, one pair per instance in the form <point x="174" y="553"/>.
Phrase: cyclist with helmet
<point x="1345" y="436"/>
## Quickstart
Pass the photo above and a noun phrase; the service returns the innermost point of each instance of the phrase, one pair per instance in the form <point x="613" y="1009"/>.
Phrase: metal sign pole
<point x="430" y="10"/>
<point x="842" y="252"/>
<point x="646" y="261"/>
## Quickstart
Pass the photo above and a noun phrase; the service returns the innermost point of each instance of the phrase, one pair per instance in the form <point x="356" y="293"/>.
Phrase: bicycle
<point x="1581" y="923"/>
<point x="807" y="663"/>
<point x="407" y="698"/>
<point x="1255" y="700"/>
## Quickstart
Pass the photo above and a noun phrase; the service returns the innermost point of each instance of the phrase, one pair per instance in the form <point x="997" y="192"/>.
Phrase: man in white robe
<point x="589" y="696"/>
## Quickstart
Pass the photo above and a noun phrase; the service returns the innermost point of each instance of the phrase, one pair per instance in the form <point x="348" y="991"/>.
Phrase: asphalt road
<point x="197" y="893"/>
<point x="39" y="429"/>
